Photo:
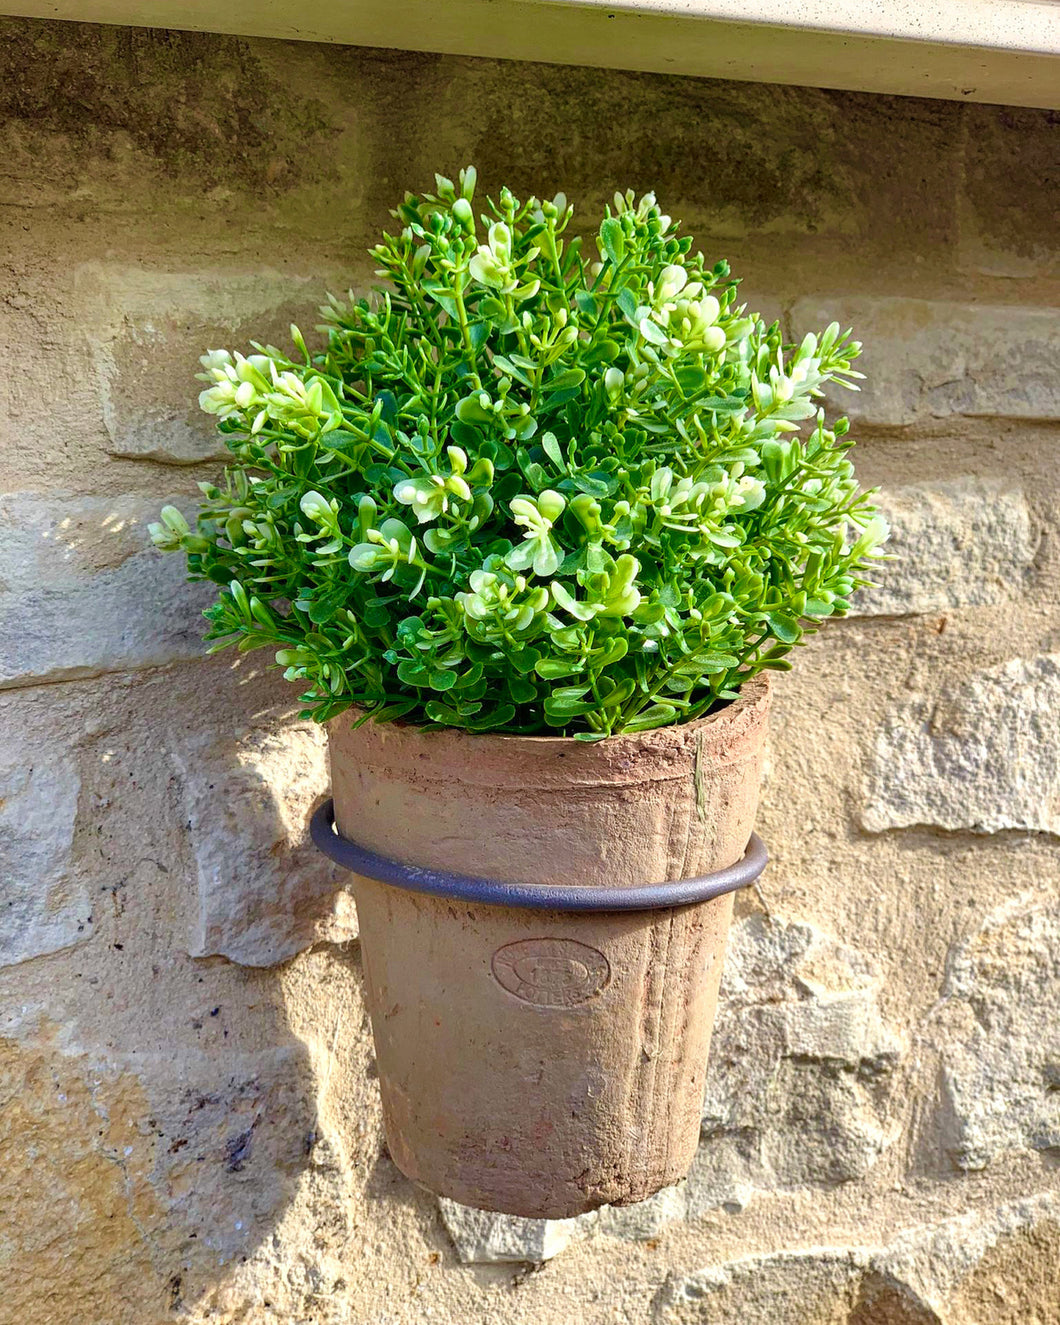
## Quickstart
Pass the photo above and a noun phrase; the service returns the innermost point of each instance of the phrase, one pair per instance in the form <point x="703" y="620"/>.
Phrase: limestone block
<point x="482" y="1237"/>
<point x="82" y="591"/>
<point x="800" y="1078"/>
<point x="964" y="542"/>
<point x="264" y="892"/>
<point x="925" y="360"/>
<point x="643" y="1219"/>
<point x="44" y="904"/>
<point x="980" y="755"/>
<point x="936" y="1274"/>
<point x="1001" y="1046"/>
<point x="152" y="328"/>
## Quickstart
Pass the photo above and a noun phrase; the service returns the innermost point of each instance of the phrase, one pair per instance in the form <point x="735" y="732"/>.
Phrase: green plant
<point x="523" y="490"/>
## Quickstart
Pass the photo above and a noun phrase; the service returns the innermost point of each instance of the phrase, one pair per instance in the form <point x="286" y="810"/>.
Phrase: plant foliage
<point x="524" y="488"/>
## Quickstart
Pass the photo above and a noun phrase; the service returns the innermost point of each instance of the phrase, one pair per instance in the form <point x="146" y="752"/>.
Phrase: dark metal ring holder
<point x="543" y="897"/>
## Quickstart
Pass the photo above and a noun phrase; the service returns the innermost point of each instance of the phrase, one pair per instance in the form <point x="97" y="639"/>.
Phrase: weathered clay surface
<point x="596" y="1025"/>
<point x="964" y="542"/>
<point x="264" y="891"/>
<point x="1001" y="1051"/>
<point x="981" y="754"/>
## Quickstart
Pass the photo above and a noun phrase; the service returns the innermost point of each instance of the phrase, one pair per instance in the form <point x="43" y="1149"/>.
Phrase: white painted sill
<point x="1005" y="51"/>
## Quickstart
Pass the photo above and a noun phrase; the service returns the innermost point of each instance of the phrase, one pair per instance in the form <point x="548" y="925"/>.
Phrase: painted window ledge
<point x="1005" y="51"/>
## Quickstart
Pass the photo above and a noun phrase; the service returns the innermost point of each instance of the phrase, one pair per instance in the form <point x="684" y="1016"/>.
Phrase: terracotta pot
<point x="543" y="1062"/>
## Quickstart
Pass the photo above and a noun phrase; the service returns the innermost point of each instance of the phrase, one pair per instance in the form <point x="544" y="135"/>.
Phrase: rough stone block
<point x="927" y="360"/>
<point x="483" y="1237"/>
<point x="980" y="755"/>
<point x="264" y="891"/>
<point x="643" y="1219"/>
<point x="965" y="542"/>
<point x="801" y="1070"/>
<point x="153" y="326"/>
<point x="44" y="904"/>
<point x="947" y="1273"/>
<point x="1001" y="1048"/>
<point x="82" y="591"/>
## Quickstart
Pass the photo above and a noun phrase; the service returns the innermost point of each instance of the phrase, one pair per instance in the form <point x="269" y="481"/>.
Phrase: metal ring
<point x="538" y="897"/>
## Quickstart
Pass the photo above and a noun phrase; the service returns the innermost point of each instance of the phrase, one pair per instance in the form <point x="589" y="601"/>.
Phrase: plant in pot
<point x="532" y="530"/>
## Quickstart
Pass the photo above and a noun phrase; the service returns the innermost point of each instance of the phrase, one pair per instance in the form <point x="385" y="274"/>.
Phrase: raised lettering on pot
<point x="551" y="973"/>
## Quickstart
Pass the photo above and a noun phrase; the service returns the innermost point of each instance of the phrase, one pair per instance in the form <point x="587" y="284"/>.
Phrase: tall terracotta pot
<point x="543" y="1061"/>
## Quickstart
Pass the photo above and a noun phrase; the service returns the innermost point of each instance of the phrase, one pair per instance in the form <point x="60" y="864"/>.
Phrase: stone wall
<point x="189" y="1127"/>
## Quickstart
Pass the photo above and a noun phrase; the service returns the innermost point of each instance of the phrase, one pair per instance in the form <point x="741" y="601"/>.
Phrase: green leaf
<point x="524" y="660"/>
<point x="721" y="404"/>
<point x="690" y="378"/>
<point x="566" y="703"/>
<point x="506" y="366"/>
<point x="392" y="712"/>
<point x="471" y="410"/>
<point x="551" y="448"/>
<point x="497" y="717"/>
<point x="342" y="442"/>
<point x="657" y="715"/>
<point x="478" y="334"/>
<point x="521" y="690"/>
<point x="560" y="397"/>
<point x="554" y="668"/>
<point x="413" y="673"/>
<point x="601" y="351"/>
<point x="389" y="404"/>
<point x="627" y="303"/>
<point x="652" y="332"/>
<point x="568" y="378"/>
<point x="612" y="240"/>
<point x="324" y="608"/>
<point x="443" y="713"/>
<point x="619" y="694"/>
<point x="709" y="663"/>
<point x="785" y="628"/>
<point x="593" y="485"/>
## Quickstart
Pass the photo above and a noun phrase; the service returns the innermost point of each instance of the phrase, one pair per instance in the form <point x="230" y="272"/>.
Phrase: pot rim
<point x="538" y="897"/>
<point x="495" y="759"/>
<point x="753" y="693"/>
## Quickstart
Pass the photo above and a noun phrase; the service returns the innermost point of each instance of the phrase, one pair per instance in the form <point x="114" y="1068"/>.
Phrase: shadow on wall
<point x="164" y="1120"/>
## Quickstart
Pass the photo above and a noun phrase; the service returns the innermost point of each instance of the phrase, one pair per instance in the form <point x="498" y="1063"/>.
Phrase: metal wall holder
<point x="538" y="897"/>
